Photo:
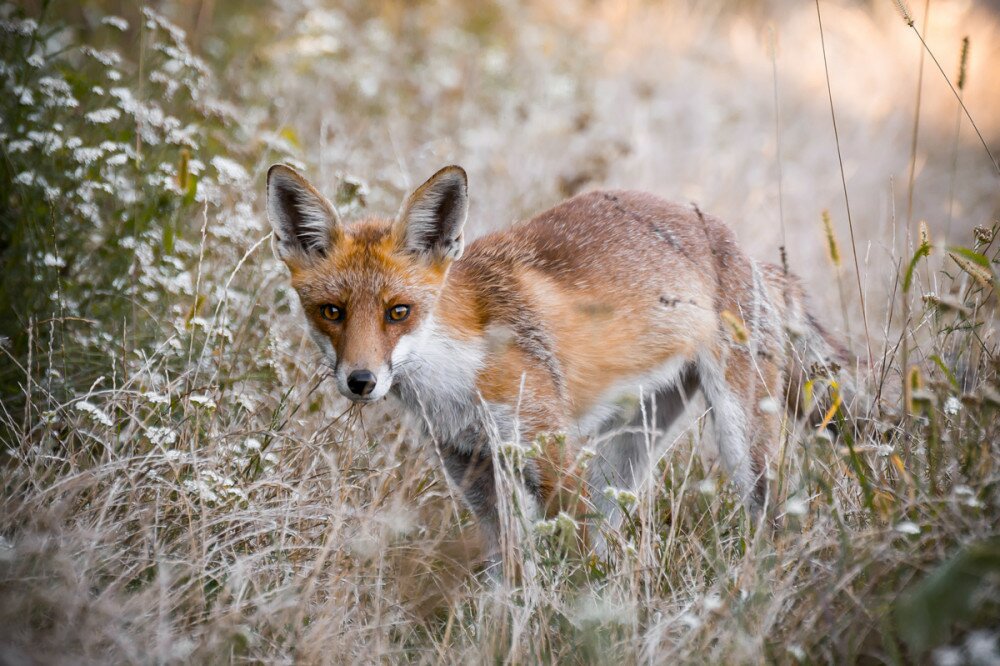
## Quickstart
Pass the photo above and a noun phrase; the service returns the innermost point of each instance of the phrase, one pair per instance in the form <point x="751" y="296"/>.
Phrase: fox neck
<point x="437" y="365"/>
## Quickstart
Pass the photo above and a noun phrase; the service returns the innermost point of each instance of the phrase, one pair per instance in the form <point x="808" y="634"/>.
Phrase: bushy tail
<point x="820" y="369"/>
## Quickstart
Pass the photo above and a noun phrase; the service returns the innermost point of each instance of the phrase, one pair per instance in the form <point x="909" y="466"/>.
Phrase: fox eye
<point x="331" y="313"/>
<point x="397" y="312"/>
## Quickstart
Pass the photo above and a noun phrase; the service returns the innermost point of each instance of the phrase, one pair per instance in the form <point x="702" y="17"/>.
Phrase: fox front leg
<point x="471" y="471"/>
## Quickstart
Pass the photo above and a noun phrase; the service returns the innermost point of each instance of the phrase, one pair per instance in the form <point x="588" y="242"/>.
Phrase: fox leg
<point x="471" y="471"/>
<point x="746" y="428"/>
<point x="626" y="448"/>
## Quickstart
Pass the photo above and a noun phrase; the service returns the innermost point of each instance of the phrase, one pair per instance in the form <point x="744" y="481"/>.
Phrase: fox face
<point x="369" y="289"/>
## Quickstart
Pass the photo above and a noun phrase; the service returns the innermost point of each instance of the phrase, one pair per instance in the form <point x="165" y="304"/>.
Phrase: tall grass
<point x="182" y="485"/>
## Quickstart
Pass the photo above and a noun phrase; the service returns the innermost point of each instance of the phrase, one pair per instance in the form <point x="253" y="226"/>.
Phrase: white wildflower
<point x="117" y="159"/>
<point x="948" y="656"/>
<point x="981" y="647"/>
<point x="620" y="496"/>
<point x="103" y="116"/>
<point x="245" y="401"/>
<point x="584" y="457"/>
<point x="495" y="60"/>
<point x="952" y="405"/>
<point x="36" y="60"/>
<point x="156" y="398"/>
<point x="545" y="527"/>
<point x="796" y="507"/>
<point x="87" y="155"/>
<point x="907" y="527"/>
<point x="106" y="58"/>
<point x="966" y="496"/>
<point x="160" y="436"/>
<point x="116" y="22"/>
<point x="323" y="20"/>
<point x="202" y="489"/>
<point x="95" y="412"/>
<point x="52" y="260"/>
<point x="565" y="523"/>
<point x="53" y="86"/>
<point x="690" y="620"/>
<point x="20" y="146"/>
<point x="230" y="172"/>
<point x="400" y="521"/>
<point x="203" y="400"/>
<point x="25" y="178"/>
<point x="47" y="141"/>
<point x="24" y="27"/>
<point x="768" y="406"/>
<point x="318" y="45"/>
<point x="368" y="85"/>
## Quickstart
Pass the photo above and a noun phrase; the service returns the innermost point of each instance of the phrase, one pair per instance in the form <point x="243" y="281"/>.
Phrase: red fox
<point x="559" y="324"/>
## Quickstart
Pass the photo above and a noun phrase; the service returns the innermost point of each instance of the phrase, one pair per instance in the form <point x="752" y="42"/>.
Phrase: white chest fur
<point x="435" y="378"/>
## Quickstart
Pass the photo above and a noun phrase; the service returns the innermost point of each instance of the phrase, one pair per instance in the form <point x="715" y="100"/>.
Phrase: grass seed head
<point x="832" y="246"/>
<point x="904" y="11"/>
<point x="736" y="327"/>
<point x="963" y="62"/>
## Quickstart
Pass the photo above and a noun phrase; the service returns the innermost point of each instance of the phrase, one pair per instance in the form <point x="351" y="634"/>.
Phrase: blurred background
<point x="179" y="484"/>
<point x="720" y="103"/>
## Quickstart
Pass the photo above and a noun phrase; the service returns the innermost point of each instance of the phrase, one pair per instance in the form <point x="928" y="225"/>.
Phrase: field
<point x="181" y="481"/>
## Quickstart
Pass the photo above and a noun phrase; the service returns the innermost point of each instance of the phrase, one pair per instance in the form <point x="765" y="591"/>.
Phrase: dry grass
<point x="182" y="484"/>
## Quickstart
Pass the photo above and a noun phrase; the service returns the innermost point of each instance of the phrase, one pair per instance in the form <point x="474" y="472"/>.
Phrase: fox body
<point x="563" y="323"/>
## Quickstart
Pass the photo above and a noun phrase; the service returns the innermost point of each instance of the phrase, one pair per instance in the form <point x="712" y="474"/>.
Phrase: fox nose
<point x="361" y="382"/>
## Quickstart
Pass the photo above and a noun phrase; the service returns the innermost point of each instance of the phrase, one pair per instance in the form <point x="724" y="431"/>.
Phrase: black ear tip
<point x="455" y="171"/>
<point x="280" y="170"/>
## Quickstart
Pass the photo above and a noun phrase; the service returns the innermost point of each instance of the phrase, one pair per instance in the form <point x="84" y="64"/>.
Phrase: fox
<point x="585" y="326"/>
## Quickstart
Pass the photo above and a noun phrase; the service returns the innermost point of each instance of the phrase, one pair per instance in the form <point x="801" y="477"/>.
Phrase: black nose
<point x="361" y="382"/>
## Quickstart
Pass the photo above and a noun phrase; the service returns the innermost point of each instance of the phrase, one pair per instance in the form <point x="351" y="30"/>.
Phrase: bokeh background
<point x="182" y="484"/>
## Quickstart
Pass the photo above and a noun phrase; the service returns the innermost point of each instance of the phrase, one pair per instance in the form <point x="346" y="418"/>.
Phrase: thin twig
<point x="916" y="126"/>
<point x="996" y="165"/>
<point x="777" y="148"/>
<point x="847" y="202"/>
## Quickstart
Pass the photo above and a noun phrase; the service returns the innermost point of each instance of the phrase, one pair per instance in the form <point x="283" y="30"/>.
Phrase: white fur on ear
<point x="432" y="218"/>
<point x="305" y="223"/>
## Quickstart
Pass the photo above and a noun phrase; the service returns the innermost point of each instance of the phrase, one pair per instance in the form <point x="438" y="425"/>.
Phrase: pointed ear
<point x="305" y="223"/>
<point x="432" y="218"/>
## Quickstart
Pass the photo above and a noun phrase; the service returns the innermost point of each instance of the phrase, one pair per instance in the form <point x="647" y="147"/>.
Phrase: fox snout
<point x="361" y="382"/>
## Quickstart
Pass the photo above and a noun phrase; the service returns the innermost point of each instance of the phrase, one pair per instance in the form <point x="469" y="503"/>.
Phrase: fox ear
<point x="432" y="218"/>
<point x="305" y="223"/>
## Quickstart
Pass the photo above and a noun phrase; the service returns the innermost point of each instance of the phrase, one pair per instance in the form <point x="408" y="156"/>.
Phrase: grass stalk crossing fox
<point x="556" y="325"/>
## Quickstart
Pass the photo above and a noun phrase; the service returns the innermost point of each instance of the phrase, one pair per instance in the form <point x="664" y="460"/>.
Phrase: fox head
<point x="368" y="289"/>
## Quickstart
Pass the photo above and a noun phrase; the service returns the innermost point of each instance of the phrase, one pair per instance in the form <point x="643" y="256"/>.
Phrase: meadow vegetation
<point x="181" y="483"/>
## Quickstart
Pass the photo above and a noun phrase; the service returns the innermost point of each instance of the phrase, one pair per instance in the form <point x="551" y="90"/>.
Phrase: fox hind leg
<point x="742" y="398"/>
<point x="626" y="447"/>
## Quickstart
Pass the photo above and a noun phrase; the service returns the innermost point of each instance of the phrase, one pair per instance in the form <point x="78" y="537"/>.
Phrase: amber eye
<point x="397" y="312"/>
<point x="331" y="313"/>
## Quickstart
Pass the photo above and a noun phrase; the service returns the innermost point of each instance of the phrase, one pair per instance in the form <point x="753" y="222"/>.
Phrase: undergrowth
<point x="181" y="484"/>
